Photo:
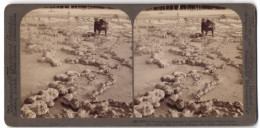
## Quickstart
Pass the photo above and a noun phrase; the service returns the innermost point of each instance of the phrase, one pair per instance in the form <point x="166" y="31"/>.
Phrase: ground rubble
<point x="39" y="104"/>
<point x="64" y="88"/>
<point x="156" y="58"/>
<point x="207" y="62"/>
<point x="37" y="46"/>
<point x="146" y="49"/>
<point x="145" y="106"/>
<point x="50" y="57"/>
<point x="98" y="66"/>
<point x="89" y="59"/>
<point x="94" y="109"/>
<point x="170" y="90"/>
<point x="209" y="108"/>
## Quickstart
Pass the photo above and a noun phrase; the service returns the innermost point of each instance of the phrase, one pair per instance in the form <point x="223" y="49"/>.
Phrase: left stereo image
<point x="76" y="62"/>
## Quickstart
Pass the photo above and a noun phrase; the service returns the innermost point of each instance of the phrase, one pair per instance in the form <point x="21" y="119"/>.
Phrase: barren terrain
<point x="68" y="72"/>
<point x="178" y="73"/>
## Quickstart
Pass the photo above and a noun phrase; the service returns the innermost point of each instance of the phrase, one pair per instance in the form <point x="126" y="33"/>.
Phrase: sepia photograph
<point x="76" y="62"/>
<point x="121" y="65"/>
<point x="188" y="62"/>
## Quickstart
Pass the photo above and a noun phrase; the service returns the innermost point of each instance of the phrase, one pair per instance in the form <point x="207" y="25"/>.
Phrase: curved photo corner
<point x="188" y="62"/>
<point x="76" y="62"/>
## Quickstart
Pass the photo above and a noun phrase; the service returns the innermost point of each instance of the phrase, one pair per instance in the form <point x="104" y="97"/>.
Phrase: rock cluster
<point x="77" y="47"/>
<point x="70" y="50"/>
<point x="62" y="81"/>
<point x="70" y="101"/>
<point x="146" y="49"/>
<point x="159" y="34"/>
<point x="176" y="77"/>
<point x="64" y="88"/>
<point x="97" y="62"/>
<point x="210" y="108"/>
<point x="36" y="46"/>
<point x="168" y="90"/>
<point x="208" y="57"/>
<point x="37" y="105"/>
<point x="60" y="86"/>
<point x="72" y="60"/>
<point x="122" y="60"/>
<point x="206" y="89"/>
<point x="90" y="75"/>
<point x="156" y="58"/>
<point x="182" y="108"/>
<point x="144" y="105"/>
<point x="103" y="87"/>
<point x="47" y="30"/>
<point x="209" y="67"/>
<point x="92" y="61"/>
<point x="175" y="100"/>
<point x="197" y="62"/>
<point x="195" y="75"/>
<point x="38" y="108"/>
<point x="191" y="52"/>
<point x="50" y="57"/>
<point x="96" y="109"/>
<point x="102" y="55"/>
<point x="231" y="62"/>
<point x="193" y="59"/>
<point x="69" y="77"/>
<point x="69" y="87"/>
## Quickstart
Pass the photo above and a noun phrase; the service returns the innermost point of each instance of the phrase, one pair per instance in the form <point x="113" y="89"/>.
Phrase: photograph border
<point x="13" y="16"/>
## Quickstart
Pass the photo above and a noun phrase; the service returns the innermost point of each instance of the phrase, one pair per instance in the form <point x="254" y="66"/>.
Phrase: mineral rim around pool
<point x="69" y="72"/>
<point x="178" y="74"/>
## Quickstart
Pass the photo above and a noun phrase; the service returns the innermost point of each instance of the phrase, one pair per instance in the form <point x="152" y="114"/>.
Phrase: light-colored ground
<point x="89" y="13"/>
<point x="176" y="14"/>
<point x="36" y="76"/>
<point x="183" y="23"/>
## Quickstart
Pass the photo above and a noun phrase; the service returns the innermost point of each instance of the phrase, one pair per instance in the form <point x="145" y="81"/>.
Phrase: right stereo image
<point x="188" y="62"/>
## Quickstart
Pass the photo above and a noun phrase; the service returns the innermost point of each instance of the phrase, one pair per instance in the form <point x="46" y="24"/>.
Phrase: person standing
<point x="96" y="25"/>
